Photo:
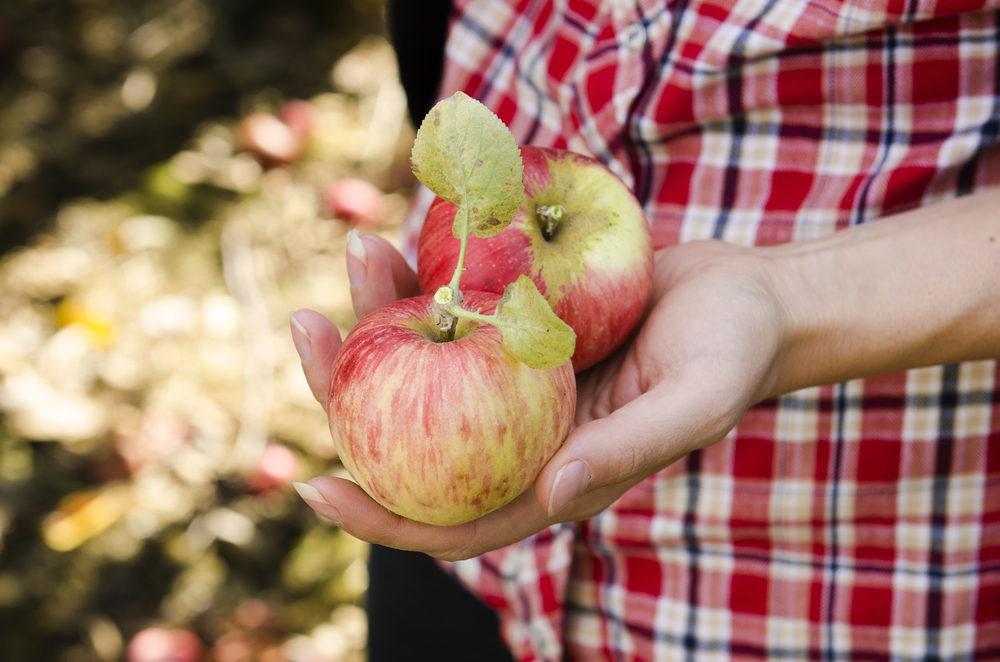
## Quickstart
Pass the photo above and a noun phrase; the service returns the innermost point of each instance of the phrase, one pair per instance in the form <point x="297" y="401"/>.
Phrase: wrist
<point x="908" y="291"/>
<point x="811" y="313"/>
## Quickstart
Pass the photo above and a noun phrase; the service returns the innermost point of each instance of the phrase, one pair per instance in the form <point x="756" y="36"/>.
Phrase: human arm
<point x="728" y="327"/>
<point x="911" y="290"/>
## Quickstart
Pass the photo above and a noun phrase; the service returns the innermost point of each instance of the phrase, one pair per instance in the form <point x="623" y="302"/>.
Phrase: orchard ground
<point x="152" y="408"/>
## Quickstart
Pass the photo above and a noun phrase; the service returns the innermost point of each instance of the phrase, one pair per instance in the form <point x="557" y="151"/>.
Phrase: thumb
<point x="626" y="447"/>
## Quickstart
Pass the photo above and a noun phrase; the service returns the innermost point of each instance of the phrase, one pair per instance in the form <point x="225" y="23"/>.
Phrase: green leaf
<point x="465" y="154"/>
<point x="530" y="330"/>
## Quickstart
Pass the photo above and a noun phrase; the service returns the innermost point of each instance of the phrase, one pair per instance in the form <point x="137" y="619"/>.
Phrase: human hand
<point x="703" y="355"/>
<point x="727" y="327"/>
<point x="378" y="275"/>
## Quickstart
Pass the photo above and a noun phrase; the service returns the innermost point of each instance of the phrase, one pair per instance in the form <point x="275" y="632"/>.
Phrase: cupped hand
<point x="707" y="350"/>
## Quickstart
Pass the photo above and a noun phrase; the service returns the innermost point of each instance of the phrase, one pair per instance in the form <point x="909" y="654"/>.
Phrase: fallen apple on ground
<point x="580" y="235"/>
<point x="353" y="199"/>
<point x="446" y="407"/>
<point x="162" y="645"/>
<point x="277" y="468"/>
<point x="269" y="139"/>
<point x="300" y="116"/>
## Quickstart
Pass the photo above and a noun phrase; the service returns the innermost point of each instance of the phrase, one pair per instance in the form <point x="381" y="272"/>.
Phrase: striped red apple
<point x="443" y="430"/>
<point x="580" y="235"/>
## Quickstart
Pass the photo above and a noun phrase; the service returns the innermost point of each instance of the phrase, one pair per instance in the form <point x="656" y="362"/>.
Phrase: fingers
<point x="349" y="507"/>
<point x="317" y="341"/>
<point x="378" y="273"/>
<point x="628" y="445"/>
<point x="610" y="384"/>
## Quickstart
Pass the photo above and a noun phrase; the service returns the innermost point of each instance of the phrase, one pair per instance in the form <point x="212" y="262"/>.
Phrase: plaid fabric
<point x="858" y="521"/>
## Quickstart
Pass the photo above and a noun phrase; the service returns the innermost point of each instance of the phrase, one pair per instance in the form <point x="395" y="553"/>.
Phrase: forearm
<point x="916" y="289"/>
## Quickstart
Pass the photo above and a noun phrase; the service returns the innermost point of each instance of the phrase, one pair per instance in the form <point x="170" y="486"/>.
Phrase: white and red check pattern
<point x="858" y="521"/>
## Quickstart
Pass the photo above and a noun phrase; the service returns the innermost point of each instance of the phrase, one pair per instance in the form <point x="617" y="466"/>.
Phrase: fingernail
<point x="357" y="260"/>
<point x="307" y="491"/>
<point x="571" y="483"/>
<point x="300" y="338"/>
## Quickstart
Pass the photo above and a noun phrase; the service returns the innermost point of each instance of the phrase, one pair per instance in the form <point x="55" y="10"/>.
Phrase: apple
<point x="277" y="467"/>
<point x="443" y="430"/>
<point x="580" y="235"/>
<point x="162" y="645"/>
<point x="272" y="141"/>
<point x="353" y="199"/>
<point x="300" y="116"/>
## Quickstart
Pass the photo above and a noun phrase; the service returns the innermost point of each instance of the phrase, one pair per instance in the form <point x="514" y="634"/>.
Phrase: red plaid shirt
<point x="859" y="521"/>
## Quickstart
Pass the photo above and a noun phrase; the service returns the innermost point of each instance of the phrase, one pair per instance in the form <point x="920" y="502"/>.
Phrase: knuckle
<point x="632" y="460"/>
<point x="390" y="533"/>
<point x="466" y="547"/>
<point x="451" y="555"/>
<point x="601" y="406"/>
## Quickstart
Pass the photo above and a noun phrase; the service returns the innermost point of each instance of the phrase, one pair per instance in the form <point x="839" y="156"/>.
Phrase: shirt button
<point x="633" y="36"/>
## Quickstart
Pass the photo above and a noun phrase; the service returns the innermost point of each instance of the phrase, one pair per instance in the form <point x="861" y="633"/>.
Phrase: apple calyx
<point x="466" y="155"/>
<point x="550" y="216"/>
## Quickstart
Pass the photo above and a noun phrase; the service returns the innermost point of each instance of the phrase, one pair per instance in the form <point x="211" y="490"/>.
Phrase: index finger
<point x="378" y="273"/>
<point x="350" y="508"/>
<point x="317" y="341"/>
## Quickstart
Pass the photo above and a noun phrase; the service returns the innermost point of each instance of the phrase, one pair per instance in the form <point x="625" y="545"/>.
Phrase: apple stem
<point x="446" y="300"/>
<point x="448" y="305"/>
<point x="457" y="311"/>
<point x="446" y="325"/>
<point x="550" y="215"/>
<point x="457" y="276"/>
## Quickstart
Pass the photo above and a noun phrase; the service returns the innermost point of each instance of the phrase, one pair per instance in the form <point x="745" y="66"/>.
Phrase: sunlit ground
<point x="152" y="407"/>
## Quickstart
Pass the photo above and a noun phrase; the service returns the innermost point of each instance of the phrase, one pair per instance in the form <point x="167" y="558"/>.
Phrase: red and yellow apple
<point x="354" y="200"/>
<point x="161" y="645"/>
<point x="580" y="235"/>
<point x="269" y="139"/>
<point x="442" y="430"/>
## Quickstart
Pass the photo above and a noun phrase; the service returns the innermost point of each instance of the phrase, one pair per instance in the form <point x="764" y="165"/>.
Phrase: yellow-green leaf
<point x="465" y="154"/>
<point x="530" y="330"/>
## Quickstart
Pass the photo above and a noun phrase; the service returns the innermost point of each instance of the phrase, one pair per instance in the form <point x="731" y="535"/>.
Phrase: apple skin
<point x="443" y="432"/>
<point x="277" y="467"/>
<point x="269" y="139"/>
<point x="161" y="645"/>
<point x="300" y="116"/>
<point x="596" y="271"/>
<point x="353" y="199"/>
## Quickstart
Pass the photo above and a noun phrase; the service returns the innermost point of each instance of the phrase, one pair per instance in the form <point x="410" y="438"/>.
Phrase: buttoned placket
<point x="633" y="37"/>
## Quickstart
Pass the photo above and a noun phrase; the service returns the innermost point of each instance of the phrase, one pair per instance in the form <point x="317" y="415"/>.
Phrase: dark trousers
<point x="418" y="31"/>
<point x="417" y="612"/>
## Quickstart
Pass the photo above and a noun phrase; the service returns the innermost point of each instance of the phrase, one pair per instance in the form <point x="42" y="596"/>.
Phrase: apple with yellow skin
<point x="443" y="430"/>
<point x="580" y="235"/>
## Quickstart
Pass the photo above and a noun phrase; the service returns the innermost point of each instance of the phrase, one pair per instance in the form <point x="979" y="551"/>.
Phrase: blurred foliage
<point x="93" y="92"/>
<point x="152" y="408"/>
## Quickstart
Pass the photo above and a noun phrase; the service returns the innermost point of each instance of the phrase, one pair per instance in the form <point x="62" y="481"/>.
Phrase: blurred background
<point x="176" y="176"/>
